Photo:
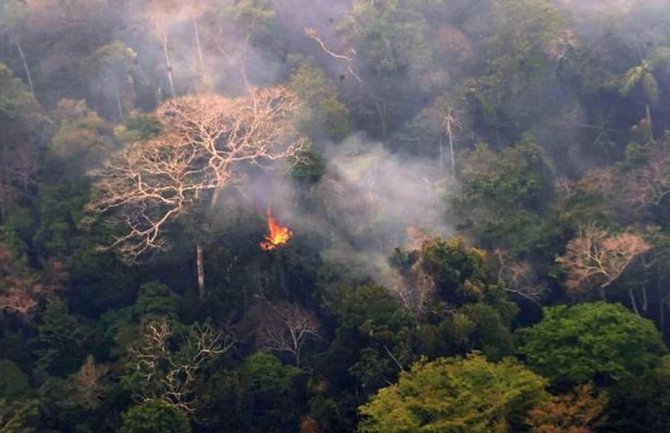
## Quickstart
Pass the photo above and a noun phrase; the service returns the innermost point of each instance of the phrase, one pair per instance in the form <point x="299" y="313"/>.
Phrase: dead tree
<point x="518" y="277"/>
<point x="287" y="328"/>
<point x="597" y="258"/>
<point x="206" y="142"/>
<point x="171" y="375"/>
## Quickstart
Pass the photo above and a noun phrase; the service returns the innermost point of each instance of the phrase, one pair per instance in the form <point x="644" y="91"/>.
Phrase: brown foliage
<point x="577" y="412"/>
<point x="597" y="258"/>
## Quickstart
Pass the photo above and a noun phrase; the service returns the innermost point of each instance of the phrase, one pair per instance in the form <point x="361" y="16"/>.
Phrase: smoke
<point x="368" y="202"/>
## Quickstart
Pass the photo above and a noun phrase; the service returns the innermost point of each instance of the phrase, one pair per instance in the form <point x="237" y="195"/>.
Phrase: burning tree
<point x="597" y="258"/>
<point x="205" y="143"/>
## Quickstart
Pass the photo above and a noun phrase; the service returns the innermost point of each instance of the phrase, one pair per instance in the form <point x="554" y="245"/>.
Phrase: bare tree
<point x="206" y="142"/>
<point x="649" y="184"/>
<point x="88" y="383"/>
<point x="23" y="289"/>
<point x="597" y="258"/>
<point x="169" y="375"/>
<point x="286" y="328"/>
<point x="518" y="277"/>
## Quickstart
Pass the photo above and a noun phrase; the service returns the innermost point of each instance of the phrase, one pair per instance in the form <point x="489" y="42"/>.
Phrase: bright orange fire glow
<point x="278" y="234"/>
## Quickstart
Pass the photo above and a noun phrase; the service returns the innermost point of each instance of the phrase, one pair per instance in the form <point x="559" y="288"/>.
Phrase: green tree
<point x="153" y="417"/>
<point x="110" y="70"/>
<point x="593" y="341"/>
<point x="641" y="404"/>
<point x="453" y="395"/>
<point x="273" y="392"/>
<point x="13" y="21"/>
<point x="644" y="74"/>
<point x="325" y="109"/>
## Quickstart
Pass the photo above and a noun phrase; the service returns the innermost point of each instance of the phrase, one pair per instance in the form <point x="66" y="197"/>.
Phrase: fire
<point x="278" y="236"/>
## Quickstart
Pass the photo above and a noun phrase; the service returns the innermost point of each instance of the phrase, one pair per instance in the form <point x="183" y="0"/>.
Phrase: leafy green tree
<point x="453" y="395"/>
<point x="18" y="416"/>
<point x="641" y="404"/>
<point x="273" y="392"/>
<point x="325" y="109"/>
<point x="83" y="138"/>
<point x="643" y="74"/>
<point x="13" y="21"/>
<point x="155" y="416"/>
<point x="61" y="340"/>
<point x="593" y="341"/>
<point x="110" y="70"/>
<point x="13" y="381"/>
<point x="505" y="197"/>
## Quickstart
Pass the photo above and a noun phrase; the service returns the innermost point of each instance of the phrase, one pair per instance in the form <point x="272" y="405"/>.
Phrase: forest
<point x="334" y="216"/>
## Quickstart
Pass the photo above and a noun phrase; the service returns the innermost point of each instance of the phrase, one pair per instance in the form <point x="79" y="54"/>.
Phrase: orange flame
<point x="278" y="236"/>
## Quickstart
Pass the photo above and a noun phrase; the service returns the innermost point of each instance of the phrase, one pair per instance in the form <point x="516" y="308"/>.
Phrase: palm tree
<point x="643" y="74"/>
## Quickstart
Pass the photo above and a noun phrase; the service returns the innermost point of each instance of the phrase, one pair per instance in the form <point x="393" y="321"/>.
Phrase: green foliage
<point x="272" y="390"/>
<point x="16" y="100"/>
<point x="18" y="416"/>
<point x="597" y="341"/>
<point x="455" y="395"/>
<point x="83" y="138"/>
<point x="61" y="340"/>
<point x="155" y="416"/>
<point x="458" y="270"/>
<point x="13" y="381"/>
<point x="505" y="198"/>
<point x="325" y="109"/>
<point x="641" y="404"/>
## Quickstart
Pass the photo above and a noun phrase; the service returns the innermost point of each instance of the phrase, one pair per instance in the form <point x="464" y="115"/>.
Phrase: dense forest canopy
<point x="320" y="216"/>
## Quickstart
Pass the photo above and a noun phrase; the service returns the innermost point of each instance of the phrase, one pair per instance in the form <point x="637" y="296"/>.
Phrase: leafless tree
<point x="286" y="328"/>
<point x="517" y="277"/>
<point x="649" y="184"/>
<point x="415" y="288"/>
<point x="206" y="142"/>
<point x="89" y="386"/>
<point x="597" y="258"/>
<point x="24" y="289"/>
<point x="171" y="375"/>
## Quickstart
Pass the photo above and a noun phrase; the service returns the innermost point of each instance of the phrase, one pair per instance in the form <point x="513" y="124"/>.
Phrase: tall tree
<point x="643" y="74"/>
<point x="205" y="144"/>
<point x="454" y="395"/>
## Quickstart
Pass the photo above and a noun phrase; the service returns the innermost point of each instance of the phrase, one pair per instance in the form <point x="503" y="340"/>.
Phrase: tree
<point x="110" y="69"/>
<point x="159" y="371"/>
<point x="13" y="20"/>
<point x="286" y="328"/>
<point x="598" y="258"/>
<point x="18" y="416"/>
<point x="454" y="395"/>
<point x="594" y="341"/>
<point x="274" y="393"/>
<point x="644" y="74"/>
<point x="155" y="416"/>
<point x="641" y="404"/>
<point x="203" y="148"/>
<point x="577" y="412"/>
<point x="23" y="129"/>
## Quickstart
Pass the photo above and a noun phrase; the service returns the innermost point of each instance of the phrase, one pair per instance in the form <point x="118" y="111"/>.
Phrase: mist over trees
<point x="473" y="198"/>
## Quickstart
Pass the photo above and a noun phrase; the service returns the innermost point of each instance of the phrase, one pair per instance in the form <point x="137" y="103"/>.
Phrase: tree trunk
<point x="651" y="127"/>
<point x="200" y="263"/>
<point x="198" y="46"/>
<point x="25" y="66"/>
<point x="119" y="104"/>
<point x="451" y="149"/>
<point x="633" y="303"/>
<point x="168" y="63"/>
